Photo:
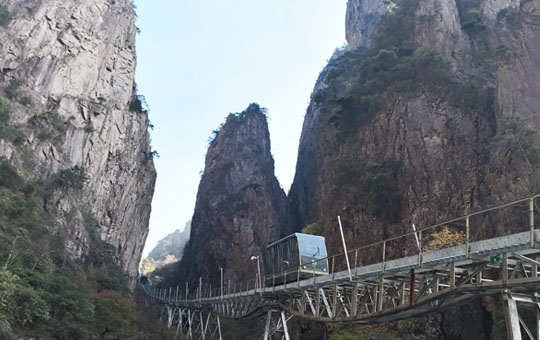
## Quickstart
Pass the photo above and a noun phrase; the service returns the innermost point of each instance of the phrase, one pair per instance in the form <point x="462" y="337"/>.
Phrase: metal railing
<point x="420" y="238"/>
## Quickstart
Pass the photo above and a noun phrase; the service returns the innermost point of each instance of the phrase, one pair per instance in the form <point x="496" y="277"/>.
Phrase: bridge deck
<point x="397" y="288"/>
<point x="519" y="243"/>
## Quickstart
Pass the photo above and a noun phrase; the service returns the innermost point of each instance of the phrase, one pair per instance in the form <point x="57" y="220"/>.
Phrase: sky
<point x="200" y="60"/>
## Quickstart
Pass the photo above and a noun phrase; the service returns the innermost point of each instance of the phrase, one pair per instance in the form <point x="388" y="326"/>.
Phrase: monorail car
<point x="297" y="256"/>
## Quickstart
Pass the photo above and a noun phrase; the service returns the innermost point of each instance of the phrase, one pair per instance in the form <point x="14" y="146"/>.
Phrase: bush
<point x="138" y="104"/>
<point x="4" y="112"/>
<point x="383" y="68"/>
<point x="5" y="16"/>
<point x="12" y="90"/>
<point x="43" y="294"/>
<point x="445" y="238"/>
<point x="26" y="100"/>
<point x="65" y="180"/>
<point x="9" y="177"/>
<point x="313" y="229"/>
<point x="48" y="126"/>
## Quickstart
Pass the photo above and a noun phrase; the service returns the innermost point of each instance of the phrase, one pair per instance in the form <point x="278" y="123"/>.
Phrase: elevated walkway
<point x="432" y="280"/>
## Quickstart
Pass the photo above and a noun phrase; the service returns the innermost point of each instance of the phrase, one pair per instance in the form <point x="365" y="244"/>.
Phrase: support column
<point x="512" y="317"/>
<point x="267" y="326"/>
<point x="284" y="322"/>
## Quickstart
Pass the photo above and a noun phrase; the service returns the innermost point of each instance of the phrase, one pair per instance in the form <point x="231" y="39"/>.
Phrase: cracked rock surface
<point x="77" y="60"/>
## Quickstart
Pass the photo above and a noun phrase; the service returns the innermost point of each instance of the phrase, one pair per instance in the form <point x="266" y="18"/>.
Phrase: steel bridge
<point x="490" y="252"/>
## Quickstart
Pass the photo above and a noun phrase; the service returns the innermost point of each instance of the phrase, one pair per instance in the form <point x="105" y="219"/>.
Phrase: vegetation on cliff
<point x="401" y="130"/>
<point x="42" y="291"/>
<point x="364" y="79"/>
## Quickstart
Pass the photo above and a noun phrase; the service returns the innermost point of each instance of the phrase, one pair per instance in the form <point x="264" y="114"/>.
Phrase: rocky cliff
<point x="240" y="205"/>
<point x="172" y="245"/>
<point x="437" y="118"/>
<point x="75" y="121"/>
<point x="362" y="21"/>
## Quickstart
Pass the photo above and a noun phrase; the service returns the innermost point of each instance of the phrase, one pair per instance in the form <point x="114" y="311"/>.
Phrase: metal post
<point x="402" y="293"/>
<point x="333" y="268"/>
<point x="200" y="287"/>
<point x="177" y="291"/>
<point x="259" y="268"/>
<point x="504" y="266"/>
<point x="452" y="275"/>
<point x="381" y="294"/>
<point x="345" y="247"/>
<point x="416" y="236"/>
<point x="420" y="248"/>
<point x="383" y="256"/>
<point x="221" y="270"/>
<point x="356" y="263"/>
<point x="411" y="288"/>
<point x="531" y="220"/>
<point x="468" y="231"/>
<point x="187" y="290"/>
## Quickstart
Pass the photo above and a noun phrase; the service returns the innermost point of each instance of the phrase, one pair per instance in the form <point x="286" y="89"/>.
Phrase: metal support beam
<point x="511" y="316"/>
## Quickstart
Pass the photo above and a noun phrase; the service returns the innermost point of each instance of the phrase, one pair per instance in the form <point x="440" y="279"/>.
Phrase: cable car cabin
<point x="295" y="256"/>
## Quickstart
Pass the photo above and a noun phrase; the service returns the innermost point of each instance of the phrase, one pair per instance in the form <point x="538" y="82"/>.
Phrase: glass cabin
<point x="297" y="256"/>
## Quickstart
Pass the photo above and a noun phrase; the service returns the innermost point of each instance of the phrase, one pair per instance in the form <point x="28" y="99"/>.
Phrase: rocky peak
<point x="240" y="206"/>
<point x="67" y="74"/>
<point x="363" y="17"/>
<point x="384" y="149"/>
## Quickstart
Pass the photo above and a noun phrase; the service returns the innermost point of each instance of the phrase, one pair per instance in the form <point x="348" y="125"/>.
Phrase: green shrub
<point x="313" y="229"/>
<point x="112" y="277"/>
<point x="66" y="179"/>
<point x="26" y="100"/>
<point x="389" y="65"/>
<point x="43" y="294"/>
<point x="8" y="131"/>
<point x="4" y="112"/>
<point x="5" y="16"/>
<point x="49" y="126"/>
<point x="9" y="177"/>
<point x="12" y="90"/>
<point x="510" y="16"/>
<point x="138" y="104"/>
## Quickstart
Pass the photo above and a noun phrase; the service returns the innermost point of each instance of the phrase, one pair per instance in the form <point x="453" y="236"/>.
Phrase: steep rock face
<point x="433" y="148"/>
<point x="362" y="19"/>
<point x="68" y="68"/>
<point x="302" y="193"/>
<point x="240" y="206"/>
<point x="431" y="134"/>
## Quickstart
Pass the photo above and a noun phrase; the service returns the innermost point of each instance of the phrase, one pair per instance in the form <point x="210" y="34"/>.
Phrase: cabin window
<point x="312" y="250"/>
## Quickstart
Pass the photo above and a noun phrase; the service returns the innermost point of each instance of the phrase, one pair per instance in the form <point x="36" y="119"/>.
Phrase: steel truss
<point x="276" y="328"/>
<point x="393" y="296"/>
<point x="193" y="323"/>
<point x="515" y="319"/>
<point x="431" y="281"/>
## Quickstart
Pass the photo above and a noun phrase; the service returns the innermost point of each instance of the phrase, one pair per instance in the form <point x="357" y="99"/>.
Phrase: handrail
<point x="419" y="231"/>
<point x="466" y="217"/>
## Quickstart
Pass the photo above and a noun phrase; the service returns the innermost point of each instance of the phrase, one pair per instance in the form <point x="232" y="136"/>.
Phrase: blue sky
<point x="200" y="60"/>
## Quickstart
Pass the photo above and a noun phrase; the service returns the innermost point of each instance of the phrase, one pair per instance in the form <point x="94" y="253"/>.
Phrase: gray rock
<point x="77" y="59"/>
<point x="240" y="206"/>
<point x="362" y="20"/>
